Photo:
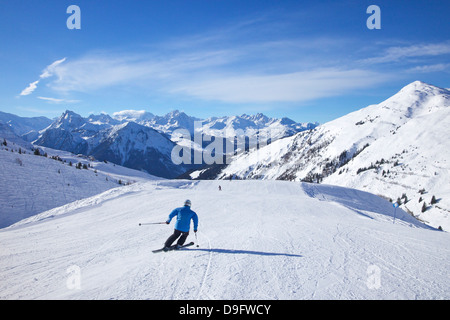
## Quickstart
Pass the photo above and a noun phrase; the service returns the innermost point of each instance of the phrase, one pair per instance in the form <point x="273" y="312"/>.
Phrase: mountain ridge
<point x="74" y="133"/>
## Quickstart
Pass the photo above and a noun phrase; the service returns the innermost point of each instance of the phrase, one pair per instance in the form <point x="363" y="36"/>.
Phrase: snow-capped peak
<point x="418" y="98"/>
<point x="69" y="120"/>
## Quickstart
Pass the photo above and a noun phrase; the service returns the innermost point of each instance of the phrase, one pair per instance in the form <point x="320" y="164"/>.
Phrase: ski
<point x="171" y="248"/>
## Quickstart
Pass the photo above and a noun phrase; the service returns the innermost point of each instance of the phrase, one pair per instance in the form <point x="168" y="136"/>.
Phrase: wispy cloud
<point x="97" y="71"/>
<point x="288" y="70"/>
<point x="31" y="87"/>
<point x="288" y="87"/>
<point x="55" y="100"/>
<point x="234" y="65"/>
<point x="397" y="53"/>
<point x="46" y="73"/>
<point x="438" y="67"/>
<point x="50" y="69"/>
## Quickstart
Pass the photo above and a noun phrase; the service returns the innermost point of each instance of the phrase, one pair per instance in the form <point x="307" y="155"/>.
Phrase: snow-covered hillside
<point x="394" y="149"/>
<point x="32" y="183"/>
<point x="257" y="240"/>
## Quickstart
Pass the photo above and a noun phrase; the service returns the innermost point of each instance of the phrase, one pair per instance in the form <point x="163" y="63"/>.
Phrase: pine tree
<point x="424" y="207"/>
<point x="405" y="197"/>
<point x="433" y="200"/>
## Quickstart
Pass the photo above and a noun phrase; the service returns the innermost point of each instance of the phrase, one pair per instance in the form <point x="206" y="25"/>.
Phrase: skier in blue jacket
<point x="182" y="224"/>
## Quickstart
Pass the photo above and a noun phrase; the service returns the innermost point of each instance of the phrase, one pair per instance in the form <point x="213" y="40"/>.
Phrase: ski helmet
<point x="187" y="203"/>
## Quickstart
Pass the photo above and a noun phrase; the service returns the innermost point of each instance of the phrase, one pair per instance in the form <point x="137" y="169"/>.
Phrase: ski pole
<point x="395" y="205"/>
<point x="196" y="239"/>
<point x="148" y="223"/>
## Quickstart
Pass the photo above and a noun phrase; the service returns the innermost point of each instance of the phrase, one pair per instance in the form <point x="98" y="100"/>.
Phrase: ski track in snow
<point x="257" y="240"/>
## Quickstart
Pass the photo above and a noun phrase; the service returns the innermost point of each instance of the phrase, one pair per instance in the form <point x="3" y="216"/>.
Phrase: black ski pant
<point x="174" y="236"/>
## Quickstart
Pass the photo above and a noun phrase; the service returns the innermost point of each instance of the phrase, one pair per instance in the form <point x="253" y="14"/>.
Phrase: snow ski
<point x="174" y="247"/>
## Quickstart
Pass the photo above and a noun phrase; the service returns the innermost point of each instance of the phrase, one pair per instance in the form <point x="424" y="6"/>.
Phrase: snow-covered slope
<point x="32" y="184"/>
<point x="393" y="149"/>
<point x="257" y="240"/>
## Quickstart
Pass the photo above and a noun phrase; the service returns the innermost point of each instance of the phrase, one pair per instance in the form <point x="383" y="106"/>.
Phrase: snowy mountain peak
<point x="418" y="98"/>
<point x="419" y="86"/>
<point x="259" y="118"/>
<point x="69" y="120"/>
<point x="177" y="116"/>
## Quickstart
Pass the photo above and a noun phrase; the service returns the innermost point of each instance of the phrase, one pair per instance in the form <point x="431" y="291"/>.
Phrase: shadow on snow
<point x="245" y="252"/>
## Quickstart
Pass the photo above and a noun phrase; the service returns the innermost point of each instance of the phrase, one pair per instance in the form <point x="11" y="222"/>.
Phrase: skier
<point x="182" y="224"/>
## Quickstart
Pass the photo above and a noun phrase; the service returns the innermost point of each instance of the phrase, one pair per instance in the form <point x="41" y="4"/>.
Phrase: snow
<point x="32" y="184"/>
<point x="257" y="240"/>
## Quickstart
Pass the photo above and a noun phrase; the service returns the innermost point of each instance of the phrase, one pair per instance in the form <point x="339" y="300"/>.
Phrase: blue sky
<point x="307" y="60"/>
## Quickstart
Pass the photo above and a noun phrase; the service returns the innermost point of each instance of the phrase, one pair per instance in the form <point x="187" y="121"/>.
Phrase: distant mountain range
<point x="140" y="139"/>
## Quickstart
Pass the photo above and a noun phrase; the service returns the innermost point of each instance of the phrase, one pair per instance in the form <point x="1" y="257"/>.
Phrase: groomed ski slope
<point x="257" y="240"/>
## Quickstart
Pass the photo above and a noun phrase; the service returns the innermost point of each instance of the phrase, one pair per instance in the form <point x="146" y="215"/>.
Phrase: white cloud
<point x="395" y="54"/>
<point x="430" y="68"/>
<point x="209" y="75"/>
<point x="98" y="71"/>
<point x="50" y="69"/>
<point x="232" y="64"/>
<point x="31" y="87"/>
<point x="46" y="73"/>
<point x="289" y="87"/>
<point x="55" y="100"/>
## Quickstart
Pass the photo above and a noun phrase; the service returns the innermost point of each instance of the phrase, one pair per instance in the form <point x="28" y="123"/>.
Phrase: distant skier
<point x="182" y="224"/>
<point x="220" y="188"/>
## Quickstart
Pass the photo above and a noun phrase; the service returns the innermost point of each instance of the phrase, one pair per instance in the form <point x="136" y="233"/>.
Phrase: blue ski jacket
<point x="184" y="216"/>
